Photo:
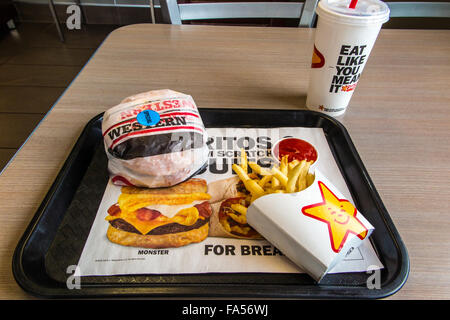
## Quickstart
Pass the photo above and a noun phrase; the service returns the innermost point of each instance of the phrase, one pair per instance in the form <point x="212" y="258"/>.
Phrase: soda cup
<point x="343" y="41"/>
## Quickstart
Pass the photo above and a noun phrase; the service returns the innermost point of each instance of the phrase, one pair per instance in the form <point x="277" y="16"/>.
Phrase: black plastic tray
<point x="56" y="235"/>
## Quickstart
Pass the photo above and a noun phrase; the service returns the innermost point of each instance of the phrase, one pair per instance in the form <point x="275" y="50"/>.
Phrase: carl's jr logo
<point x="339" y="215"/>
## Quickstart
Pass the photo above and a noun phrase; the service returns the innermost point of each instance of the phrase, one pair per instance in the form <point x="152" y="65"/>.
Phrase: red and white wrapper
<point x="159" y="155"/>
<point x="315" y="228"/>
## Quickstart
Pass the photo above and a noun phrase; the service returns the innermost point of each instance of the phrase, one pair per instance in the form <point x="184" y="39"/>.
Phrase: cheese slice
<point x="171" y="211"/>
<point x="186" y="216"/>
<point x="133" y="202"/>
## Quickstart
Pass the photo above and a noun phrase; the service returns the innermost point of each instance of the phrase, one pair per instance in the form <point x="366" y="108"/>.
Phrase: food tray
<point x="56" y="235"/>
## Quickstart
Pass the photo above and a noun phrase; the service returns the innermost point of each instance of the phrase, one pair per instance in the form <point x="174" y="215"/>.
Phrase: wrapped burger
<point x="154" y="139"/>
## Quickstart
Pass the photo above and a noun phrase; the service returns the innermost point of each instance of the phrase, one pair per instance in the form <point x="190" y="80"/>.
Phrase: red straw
<point x="353" y="4"/>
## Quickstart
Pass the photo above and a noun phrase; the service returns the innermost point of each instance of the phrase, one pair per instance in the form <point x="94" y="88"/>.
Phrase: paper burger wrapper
<point x="223" y="189"/>
<point x="220" y="191"/>
<point x="315" y="228"/>
<point x="154" y="139"/>
<point x="216" y="229"/>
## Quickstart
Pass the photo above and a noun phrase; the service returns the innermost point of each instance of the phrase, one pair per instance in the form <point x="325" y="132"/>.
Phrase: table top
<point x="398" y="120"/>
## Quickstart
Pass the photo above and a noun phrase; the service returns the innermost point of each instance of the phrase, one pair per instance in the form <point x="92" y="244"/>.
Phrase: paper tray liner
<point x="74" y="229"/>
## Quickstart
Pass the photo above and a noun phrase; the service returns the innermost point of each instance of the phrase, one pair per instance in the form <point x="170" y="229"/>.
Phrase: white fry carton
<point x="315" y="228"/>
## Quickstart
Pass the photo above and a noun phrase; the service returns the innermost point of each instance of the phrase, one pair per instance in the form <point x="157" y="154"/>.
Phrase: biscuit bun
<point x="179" y="239"/>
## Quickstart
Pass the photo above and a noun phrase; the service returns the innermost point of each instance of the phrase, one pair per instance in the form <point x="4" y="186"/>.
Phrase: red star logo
<point x="339" y="215"/>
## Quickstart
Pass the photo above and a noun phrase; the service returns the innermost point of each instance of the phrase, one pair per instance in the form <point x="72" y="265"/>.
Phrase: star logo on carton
<point x="339" y="215"/>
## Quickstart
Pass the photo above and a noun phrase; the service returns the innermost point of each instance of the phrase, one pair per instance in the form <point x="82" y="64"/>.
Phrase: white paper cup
<point x="343" y="41"/>
<point x="315" y="228"/>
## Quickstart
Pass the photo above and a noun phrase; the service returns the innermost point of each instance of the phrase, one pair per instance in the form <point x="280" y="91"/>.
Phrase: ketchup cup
<point x="296" y="149"/>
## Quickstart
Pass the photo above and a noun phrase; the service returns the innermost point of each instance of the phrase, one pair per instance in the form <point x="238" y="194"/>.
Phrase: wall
<point x="123" y="12"/>
<point x="118" y="12"/>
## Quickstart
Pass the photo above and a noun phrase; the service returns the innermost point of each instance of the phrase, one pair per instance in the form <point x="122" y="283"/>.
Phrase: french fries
<point x="264" y="180"/>
<point x="284" y="167"/>
<point x="275" y="182"/>
<point x="302" y="183"/>
<point x="280" y="176"/>
<point x="293" y="176"/>
<point x="240" y="172"/>
<point x="244" y="160"/>
<point x="289" y="177"/>
<point x="256" y="168"/>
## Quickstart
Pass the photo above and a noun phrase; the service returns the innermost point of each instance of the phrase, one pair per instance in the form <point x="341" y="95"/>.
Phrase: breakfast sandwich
<point x="161" y="218"/>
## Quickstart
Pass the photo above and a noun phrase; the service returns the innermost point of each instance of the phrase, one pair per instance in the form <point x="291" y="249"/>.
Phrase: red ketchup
<point x="295" y="149"/>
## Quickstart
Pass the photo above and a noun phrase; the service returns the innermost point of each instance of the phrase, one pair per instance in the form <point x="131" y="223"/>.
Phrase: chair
<point x="175" y="13"/>
<point x="419" y="9"/>
<point x="51" y="5"/>
<point x="152" y="5"/>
